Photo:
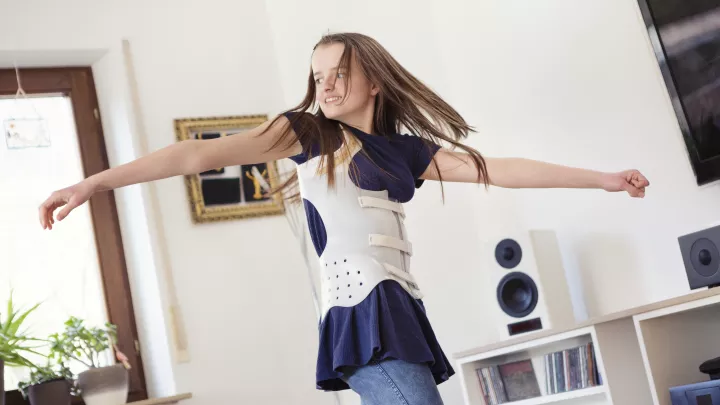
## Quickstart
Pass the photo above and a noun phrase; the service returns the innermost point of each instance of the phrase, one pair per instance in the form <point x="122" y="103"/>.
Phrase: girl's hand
<point x="70" y="197"/>
<point x="631" y="181"/>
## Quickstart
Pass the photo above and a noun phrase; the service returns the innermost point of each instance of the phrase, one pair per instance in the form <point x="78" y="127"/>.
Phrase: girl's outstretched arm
<point x="527" y="173"/>
<point x="181" y="158"/>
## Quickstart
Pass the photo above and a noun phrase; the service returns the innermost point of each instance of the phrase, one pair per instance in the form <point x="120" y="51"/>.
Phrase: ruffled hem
<point x="389" y="323"/>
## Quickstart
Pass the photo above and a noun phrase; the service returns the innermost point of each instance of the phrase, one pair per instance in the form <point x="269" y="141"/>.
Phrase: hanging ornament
<point x="25" y="131"/>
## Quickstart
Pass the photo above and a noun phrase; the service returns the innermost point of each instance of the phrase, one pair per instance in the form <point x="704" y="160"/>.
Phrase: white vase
<point x="104" y="385"/>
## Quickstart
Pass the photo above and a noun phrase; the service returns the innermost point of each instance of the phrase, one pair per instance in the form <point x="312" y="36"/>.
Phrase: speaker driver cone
<point x="508" y="253"/>
<point x="705" y="257"/>
<point x="517" y="294"/>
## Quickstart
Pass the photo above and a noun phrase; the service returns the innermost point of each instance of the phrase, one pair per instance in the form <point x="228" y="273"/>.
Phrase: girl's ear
<point x="374" y="89"/>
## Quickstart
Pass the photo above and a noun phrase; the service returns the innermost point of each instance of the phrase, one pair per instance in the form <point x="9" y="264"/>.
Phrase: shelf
<point x="540" y="345"/>
<point x="534" y="351"/>
<point x="631" y="350"/>
<point x="691" y="298"/>
<point x="563" y="396"/>
<point x="691" y="330"/>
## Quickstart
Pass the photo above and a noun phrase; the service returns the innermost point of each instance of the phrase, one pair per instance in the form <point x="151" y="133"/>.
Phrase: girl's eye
<point x="318" y="81"/>
<point x="340" y="75"/>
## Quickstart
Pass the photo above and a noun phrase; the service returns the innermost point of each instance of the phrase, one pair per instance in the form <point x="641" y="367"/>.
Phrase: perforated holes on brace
<point x="343" y="280"/>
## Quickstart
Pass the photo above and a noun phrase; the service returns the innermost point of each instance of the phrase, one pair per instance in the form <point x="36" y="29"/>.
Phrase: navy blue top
<point x="389" y="322"/>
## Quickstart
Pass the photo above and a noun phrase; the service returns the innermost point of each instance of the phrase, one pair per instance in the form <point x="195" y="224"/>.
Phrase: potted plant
<point x="51" y="384"/>
<point x="98" y="385"/>
<point x="15" y="344"/>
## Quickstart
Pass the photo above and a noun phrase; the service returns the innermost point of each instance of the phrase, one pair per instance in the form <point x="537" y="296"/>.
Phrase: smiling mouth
<point x="332" y="99"/>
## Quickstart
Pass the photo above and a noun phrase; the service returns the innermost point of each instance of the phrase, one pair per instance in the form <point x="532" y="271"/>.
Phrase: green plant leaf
<point x="14" y="327"/>
<point x="10" y="315"/>
<point x="81" y="343"/>
<point x="14" y="344"/>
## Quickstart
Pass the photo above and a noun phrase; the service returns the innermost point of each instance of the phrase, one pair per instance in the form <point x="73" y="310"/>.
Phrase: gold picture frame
<point x="234" y="192"/>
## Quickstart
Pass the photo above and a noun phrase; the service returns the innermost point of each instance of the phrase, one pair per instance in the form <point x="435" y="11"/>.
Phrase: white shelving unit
<point x="566" y="397"/>
<point x="675" y="341"/>
<point x="640" y="353"/>
<point x="614" y="364"/>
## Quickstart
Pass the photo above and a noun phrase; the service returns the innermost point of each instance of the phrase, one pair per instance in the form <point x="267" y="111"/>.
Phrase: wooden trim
<point x="37" y="81"/>
<point x="78" y="84"/>
<point x="15" y="398"/>
<point x="164" y="400"/>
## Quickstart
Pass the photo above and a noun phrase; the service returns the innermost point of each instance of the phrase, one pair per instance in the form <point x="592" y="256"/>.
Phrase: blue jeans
<point x="393" y="382"/>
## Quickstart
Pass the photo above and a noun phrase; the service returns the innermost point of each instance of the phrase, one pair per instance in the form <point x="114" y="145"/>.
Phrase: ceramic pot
<point x="56" y="392"/>
<point x="104" y="385"/>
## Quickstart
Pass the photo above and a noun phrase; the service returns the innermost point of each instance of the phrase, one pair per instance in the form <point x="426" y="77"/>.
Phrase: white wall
<point x="190" y="59"/>
<point x="564" y="81"/>
<point x="576" y="83"/>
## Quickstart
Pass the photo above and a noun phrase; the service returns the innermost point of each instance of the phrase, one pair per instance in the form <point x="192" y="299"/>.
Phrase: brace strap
<point x="391" y="242"/>
<point x="407" y="277"/>
<point x="399" y="273"/>
<point x="374" y="202"/>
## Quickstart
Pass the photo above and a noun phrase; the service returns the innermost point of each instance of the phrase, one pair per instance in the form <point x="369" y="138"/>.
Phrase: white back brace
<point x="366" y="236"/>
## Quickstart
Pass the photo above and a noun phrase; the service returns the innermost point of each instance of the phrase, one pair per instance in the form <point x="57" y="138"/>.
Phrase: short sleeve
<point x="421" y="154"/>
<point x="301" y="122"/>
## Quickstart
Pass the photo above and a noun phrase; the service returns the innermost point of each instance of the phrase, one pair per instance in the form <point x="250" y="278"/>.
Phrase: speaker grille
<point x="517" y="294"/>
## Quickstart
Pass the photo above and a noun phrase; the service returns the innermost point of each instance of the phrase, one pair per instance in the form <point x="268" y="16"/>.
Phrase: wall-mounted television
<point x="686" y="37"/>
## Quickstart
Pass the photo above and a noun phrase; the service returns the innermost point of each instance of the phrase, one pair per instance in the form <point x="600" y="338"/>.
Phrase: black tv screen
<point x="686" y="38"/>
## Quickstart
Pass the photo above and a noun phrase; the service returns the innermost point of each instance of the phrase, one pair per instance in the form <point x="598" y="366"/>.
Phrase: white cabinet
<point x="640" y="353"/>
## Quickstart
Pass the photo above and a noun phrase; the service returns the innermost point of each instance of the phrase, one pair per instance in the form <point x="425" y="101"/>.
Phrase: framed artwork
<point x="234" y="192"/>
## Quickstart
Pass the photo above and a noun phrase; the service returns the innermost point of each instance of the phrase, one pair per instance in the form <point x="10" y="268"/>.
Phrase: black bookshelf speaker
<point x="700" y="252"/>
<point x="531" y="292"/>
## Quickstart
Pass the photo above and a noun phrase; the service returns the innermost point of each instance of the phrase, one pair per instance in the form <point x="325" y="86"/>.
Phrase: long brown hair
<point x="403" y="103"/>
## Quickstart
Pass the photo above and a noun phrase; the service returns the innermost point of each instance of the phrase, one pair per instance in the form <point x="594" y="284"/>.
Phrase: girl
<point x="354" y="170"/>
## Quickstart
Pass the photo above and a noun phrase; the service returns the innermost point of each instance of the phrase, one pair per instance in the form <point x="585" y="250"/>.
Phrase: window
<point x="78" y="268"/>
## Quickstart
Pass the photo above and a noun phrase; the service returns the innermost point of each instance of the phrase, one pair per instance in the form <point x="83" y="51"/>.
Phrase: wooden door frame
<point x="78" y="84"/>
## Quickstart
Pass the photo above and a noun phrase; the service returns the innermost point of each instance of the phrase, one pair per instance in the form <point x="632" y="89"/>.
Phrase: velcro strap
<point x="391" y="242"/>
<point x="399" y="273"/>
<point x="407" y="277"/>
<point x="374" y="202"/>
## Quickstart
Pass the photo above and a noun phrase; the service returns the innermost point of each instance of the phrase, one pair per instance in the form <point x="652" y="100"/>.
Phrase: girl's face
<point x="331" y="85"/>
